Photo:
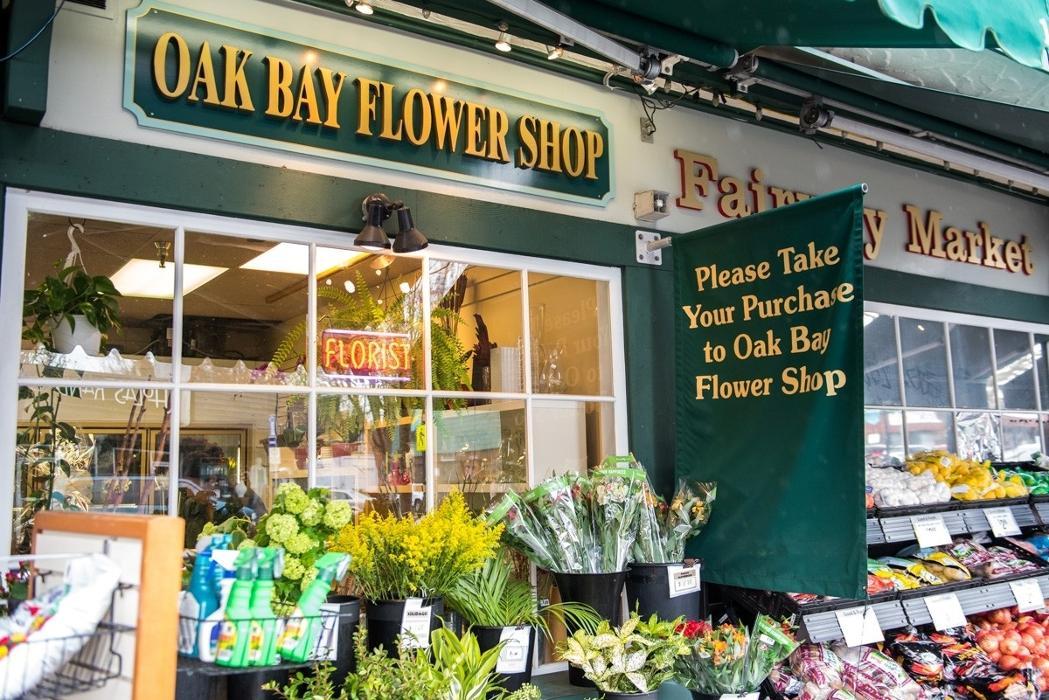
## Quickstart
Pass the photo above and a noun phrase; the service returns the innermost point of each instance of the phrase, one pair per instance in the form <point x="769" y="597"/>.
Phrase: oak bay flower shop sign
<point x="195" y="74"/>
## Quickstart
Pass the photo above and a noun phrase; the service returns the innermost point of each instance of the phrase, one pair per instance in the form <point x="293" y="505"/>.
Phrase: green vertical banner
<point x="769" y="342"/>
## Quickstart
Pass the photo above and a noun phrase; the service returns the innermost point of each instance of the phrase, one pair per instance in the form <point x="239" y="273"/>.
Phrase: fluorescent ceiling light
<point x="294" y="259"/>
<point x="146" y="278"/>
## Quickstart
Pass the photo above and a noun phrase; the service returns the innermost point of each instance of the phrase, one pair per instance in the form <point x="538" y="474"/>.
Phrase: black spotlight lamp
<point x="373" y="236"/>
<point x="409" y="239"/>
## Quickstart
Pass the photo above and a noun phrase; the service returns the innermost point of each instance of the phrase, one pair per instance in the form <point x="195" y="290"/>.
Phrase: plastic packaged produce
<point x="1037" y="483"/>
<point x="969" y="480"/>
<point x="915" y="568"/>
<point x="892" y="487"/>
<point x="871" y="675"/>
<point x="990" y="562"/>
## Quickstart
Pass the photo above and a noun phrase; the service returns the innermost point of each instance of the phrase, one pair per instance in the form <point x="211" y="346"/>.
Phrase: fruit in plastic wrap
<point x="969" y="480"/>
<point x="894" y="487"/>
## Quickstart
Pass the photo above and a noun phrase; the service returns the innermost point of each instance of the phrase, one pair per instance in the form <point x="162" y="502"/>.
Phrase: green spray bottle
<point x="262" y="636"/>
<point x="304" y="625"/>
<point x="233" y="637"/>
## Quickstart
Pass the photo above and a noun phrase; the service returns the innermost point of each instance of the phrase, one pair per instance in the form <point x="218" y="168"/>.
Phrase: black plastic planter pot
<point x="648" y="592"/>
<point x="631" y="696"/>
<point x="602" y="592"/>
<point x="489" y="637"/>
<point x="248" y="686"/>
<point x="384" y="621"/>
<point x="348" y="608"/>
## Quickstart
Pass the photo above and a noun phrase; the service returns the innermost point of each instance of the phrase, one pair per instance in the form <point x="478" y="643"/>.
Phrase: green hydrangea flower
<point x="311" y="515"/>
<point x="293" y="569"/>
<point x="300" y="543"/>
<point x="337" y="514"/>
<point x="247" y="543"/>
<point x="295" y="500"/>
<point x="281" y="527"/>
<point x="307" y="578"/>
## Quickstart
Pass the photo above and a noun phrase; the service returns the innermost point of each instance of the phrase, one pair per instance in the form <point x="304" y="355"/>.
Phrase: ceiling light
<point x="372" y="236"/>
<point x="364" y="7"/>
<point x="145" y="278"/>
<point x="405" y="287"/>
<point x="409" y="239"/>
<point x="349" y="286"/>
<point x="555" y="53"/>
<point x="294" y="259"/>
<point x="503" y="42"/>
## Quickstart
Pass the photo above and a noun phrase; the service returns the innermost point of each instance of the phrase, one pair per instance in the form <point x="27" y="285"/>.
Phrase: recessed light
<point x="146" y="278"/>
<point x="405" y="287"/>
<point x="294" y="259"/>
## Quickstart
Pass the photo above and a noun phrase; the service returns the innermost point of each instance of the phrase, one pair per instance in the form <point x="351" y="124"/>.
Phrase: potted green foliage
<point x="502" y="609"/>
<point x="71" y="308"/>
<point x="630" y="661"/>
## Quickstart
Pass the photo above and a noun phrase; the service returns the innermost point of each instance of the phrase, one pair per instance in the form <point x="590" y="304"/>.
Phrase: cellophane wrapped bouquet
<point x="663" y="530"/>
<point x="730" y="659"/>
<point x="577" y="524"/>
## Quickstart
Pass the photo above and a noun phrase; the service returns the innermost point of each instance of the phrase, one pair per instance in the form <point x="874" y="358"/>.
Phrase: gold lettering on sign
<point x="697" y="171"/>
<point x="160" y="55"/>
<point x="205" y="77"/>
<point x="279" y="102"/>
<point x="235" y="93"/>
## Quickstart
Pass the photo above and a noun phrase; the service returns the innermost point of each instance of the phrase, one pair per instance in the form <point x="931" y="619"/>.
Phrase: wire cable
<point x="36" y="36"/>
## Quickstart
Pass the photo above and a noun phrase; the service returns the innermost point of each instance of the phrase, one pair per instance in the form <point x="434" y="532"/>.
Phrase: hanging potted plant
<point x="627" y="662"/>
<point x="71" y="308"/>
<point x="501" y="609"/>
<point x="404" y="567"/>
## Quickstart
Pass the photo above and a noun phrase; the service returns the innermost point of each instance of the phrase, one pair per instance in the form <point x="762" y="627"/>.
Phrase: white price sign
<point x="1002" y="521"/>
<point x="683" y="579"/>
<point x="859" y="626"/>
<point x="930" y="530"/>
<point x="1028" y="595"/>
<point x="945" y="610"/>
<point x="514" y="656"/>
<point x="741" y="696"/>
<point x="415" y="624"/>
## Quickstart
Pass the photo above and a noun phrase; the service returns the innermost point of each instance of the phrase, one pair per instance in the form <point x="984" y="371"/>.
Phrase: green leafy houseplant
<point x="491" y="597"/>
<point x="635" y="658"/>
<point x="68" y="293"/>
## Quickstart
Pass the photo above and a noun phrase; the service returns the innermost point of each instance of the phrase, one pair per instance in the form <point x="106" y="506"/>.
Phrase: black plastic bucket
<point x="348" y="609"/>
<point x="602" y="592"/>
<point x="488" y="638"/>
<point x="631" y="696"/>
<point x="384" y="621"/>
<point x="248" y="686"/>
<point x="648" y="592"/>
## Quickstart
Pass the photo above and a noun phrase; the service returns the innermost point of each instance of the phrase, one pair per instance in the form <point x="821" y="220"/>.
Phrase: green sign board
<point x="769" y="338"/>
<point x="201" y="75"/>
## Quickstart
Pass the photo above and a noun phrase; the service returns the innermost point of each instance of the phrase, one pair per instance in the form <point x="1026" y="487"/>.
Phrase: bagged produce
<point x="871" y="675"/>
<point x="969" y="480"/>
<point x="915" y="568"/>
<point x="892" y="487"/>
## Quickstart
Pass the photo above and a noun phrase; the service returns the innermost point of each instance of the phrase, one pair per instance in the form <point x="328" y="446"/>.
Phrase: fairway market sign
<point x="198" y="75"/>
<point x="927" y="232"/>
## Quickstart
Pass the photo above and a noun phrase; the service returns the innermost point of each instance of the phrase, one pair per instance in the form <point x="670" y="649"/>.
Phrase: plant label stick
<point x="683" y="579"/>
<point x="930" y="530"/>
<point x="514" y="656"/>
<point x="415" y="624"/>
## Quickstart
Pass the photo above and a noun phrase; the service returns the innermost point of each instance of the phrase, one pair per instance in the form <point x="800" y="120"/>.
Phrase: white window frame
<point x="946" y="318"/>
<point x="20" y="203"/>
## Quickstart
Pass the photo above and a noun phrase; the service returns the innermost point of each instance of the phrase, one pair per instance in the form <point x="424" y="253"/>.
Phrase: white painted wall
<point x="85" y="96"/>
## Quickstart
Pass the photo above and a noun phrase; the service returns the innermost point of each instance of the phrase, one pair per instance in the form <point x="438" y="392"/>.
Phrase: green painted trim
<point x="24" y="78"/>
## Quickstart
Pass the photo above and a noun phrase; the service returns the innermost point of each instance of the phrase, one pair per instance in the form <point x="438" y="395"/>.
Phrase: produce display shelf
<point x="874" y="533"/>
<point x="960" y="521"/>
<point x="949" y="506"/>
<point x="900" y="528"/>
<point x="1041" y="508"/>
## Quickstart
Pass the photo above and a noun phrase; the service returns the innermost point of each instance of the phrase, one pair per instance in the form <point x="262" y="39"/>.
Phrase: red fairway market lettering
<point x="366" y="355"/>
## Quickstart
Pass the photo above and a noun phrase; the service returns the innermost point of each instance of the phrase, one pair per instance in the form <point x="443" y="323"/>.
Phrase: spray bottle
<point x="198" y="601"/>
<point x="262" y="640"/>
<point x="304" y="625"/>
<point x="233" y="636"/>
<point x="224" y="564"/>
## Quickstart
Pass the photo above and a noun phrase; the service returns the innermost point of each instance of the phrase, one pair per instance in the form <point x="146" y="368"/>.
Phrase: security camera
<point x="813" y="116"/>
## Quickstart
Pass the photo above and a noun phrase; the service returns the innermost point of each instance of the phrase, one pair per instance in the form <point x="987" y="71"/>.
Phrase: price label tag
<point x="1002" y="521"/>
<point x="741" y="696"/>
<point x="946" y="611"/>
<point x="859" y="626"/>
<point x="930" y="530"/>
<point x="514" y="656"/>
<point x="683" y="579"/>
<point x="1028" y="595"/>
<point x="415" y="624"/>
<point x="273" y="455"/>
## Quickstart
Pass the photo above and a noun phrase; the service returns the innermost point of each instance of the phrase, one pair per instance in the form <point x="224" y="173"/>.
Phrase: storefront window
<point x="883" y="437"/>
<point x="881" y="369"/>
<point x="924" y="363"/>
<point x="1015" y="370"/>
<point x="973" y="369"/>
<point x="1041" y="362"/>
<point x="204" y="395"/>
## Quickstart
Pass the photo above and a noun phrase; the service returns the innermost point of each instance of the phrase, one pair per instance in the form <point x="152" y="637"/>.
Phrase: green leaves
<point x="69" y="292"/>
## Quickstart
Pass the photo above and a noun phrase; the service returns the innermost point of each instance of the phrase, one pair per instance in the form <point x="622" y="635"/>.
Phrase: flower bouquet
<point x="663" y="530"/>
<point x="729" y="659"/>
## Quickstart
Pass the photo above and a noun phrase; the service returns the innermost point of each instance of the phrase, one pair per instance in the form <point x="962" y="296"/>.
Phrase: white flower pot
<point x="82" y="333"/>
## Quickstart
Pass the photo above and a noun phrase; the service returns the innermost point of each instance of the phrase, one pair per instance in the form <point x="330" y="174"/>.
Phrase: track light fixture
<point x="555" y="53"/>
<point x="503" y="42"/>
<point x="377" y="209"/>
<point x="364" y="7"/>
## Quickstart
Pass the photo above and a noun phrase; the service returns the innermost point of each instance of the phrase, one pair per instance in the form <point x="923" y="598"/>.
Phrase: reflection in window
<point x="1012" y="351"/>
<point x="924" y="363"/>
<point x="576" y="435"/>
<point x="971" y="362"/>
<point x="1020" y="436"/>
<point x="978" y="436"/>
<point x="881" y="372"/>
<point x="883" y="437"/>
<point x="1041" y="361"/>
<point x="930" y="430"/>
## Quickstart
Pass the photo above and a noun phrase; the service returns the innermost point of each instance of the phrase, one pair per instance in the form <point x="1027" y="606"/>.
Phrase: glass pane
<point x="122" y="327"/>
<point x="881" y="369"/>
<point x="971" y="362"/>
<point x="1045" y="434"/>
<point x="1041" y="361"/>
<point x="371" y="451"/>
<point x="571" y="436"/>
<point x="571" y="335"/>
<point x="82" y="450"/>
<point x="234" y="450"/>
<point x="929" y="430"/>
<point x="1012" y="354"/>
<point x="477" y="316"/>
<point x="1020" y="436"/>
<point x="235" y="323"/>
<point x="924" y="363"/>
<point x="979" y="436"/>
<point x="481" y="450"/>
<point x="883" y="437"/>
<point x="369" y="320"/>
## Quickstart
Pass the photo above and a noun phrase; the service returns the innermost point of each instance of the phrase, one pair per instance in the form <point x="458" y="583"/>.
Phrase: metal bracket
<point x="644" y="254"/>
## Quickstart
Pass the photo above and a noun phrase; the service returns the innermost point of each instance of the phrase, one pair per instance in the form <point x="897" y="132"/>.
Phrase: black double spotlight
<point x="377" y="209"/>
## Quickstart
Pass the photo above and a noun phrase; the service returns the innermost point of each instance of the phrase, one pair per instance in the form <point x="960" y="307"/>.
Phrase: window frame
<point x="19" y="204"/>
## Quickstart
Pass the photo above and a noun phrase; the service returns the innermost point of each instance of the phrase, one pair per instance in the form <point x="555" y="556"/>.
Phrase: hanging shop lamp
<point x="503" y="42"/>
<point x="409" y="239"/>
<point x="372" y="236"/>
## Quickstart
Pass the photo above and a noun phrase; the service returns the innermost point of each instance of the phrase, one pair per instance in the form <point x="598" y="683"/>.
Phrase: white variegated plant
<point x="637" y="657"/>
